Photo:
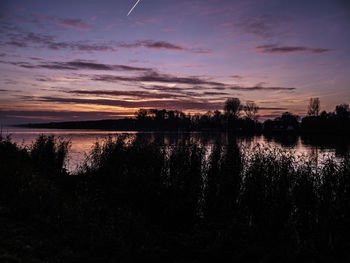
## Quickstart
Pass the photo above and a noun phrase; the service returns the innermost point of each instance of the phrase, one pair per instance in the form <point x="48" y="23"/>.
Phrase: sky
<point x="86" y="59"/>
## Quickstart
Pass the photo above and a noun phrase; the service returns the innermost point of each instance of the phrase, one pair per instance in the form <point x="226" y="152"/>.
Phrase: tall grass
<point x="136" y="200"/>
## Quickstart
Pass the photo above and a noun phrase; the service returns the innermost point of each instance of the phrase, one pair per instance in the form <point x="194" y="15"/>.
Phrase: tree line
<point x="235" y="117"/>
<point x="244" y="117"/>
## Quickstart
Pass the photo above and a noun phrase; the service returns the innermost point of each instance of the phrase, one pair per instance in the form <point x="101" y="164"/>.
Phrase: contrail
<point x="133" y="7"/>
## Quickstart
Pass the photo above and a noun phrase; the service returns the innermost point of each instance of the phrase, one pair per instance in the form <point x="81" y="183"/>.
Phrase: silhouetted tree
<point x="217" y="114"/>
<point x="314" y="107"/>
<point x="233" y="107"/>
<point x="342" y="111"/>
<point x="171" y="115"/>
<point x="251" y="109"/>
<point x="287" y="121"/>
<point x="217" y="119"/>
<point x="158" y="115"/>
<point x="324" y="115"/>
<point x="141" y="114"/>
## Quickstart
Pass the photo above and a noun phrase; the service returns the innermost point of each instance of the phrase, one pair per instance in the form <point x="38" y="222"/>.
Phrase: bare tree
<point x="314" y="107"/>
<point x="233" y="107"/>
<point x="251" y="109"/>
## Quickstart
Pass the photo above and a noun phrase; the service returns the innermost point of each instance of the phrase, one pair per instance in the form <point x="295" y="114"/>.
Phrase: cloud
<point x="44" y="79"/>
<point x="76" y="65"/>
<point x="48" y="41"/>
<point x="156" y="77"/>
<point x="165" y="88"/>
<point x="19" y="64"/>
<point x="75" y="23"/>
<point x="182" y="104"/>
<point x="149" y="75"/>
<point x="56" y="65"/>
<point x="23" y="40"/>
<point x="209" y="93"/>
<point x="263" y="26"/>
<point x="154" y="44"/>
<point x="272" y="108"/>
<point x="83" y="64"/>
<point x="273" y="48"/>
<point x="175" y="89"/>
<point x="218" y="88"/>
<point x="165" y="78"/>
<point x="9" y="81"/>
<point x="16" y="44"/>
<point x="187" y="91"/>
<point x="127" y="93"/>
<point x="258" y="88"/>
<point x="36" y="59"/>
<point x="166" y="93"/>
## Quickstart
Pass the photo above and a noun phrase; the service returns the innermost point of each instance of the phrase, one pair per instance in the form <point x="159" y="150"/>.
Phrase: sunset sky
<point x="84" y="59"/>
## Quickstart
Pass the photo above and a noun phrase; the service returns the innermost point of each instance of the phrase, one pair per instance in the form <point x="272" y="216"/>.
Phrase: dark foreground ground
<point x="136" y="201"/>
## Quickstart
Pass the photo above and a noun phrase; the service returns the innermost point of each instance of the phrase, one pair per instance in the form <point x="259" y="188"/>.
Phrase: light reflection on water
<point x="313" y="148"/>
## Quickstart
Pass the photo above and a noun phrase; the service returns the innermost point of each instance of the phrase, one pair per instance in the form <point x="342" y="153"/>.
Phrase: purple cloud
<point x="264" y="26"/>
<point x="272" y="48"/>
<point x="48" y="41"/>
<point x="165" y="78"/>
<point x="258" y="88"/>
<point x="76" y="65"/>
<point x="154" y="44"/>
<point x="126" y="93"/>
<point x="75" y="23"/>
<point x="156" y="77"/>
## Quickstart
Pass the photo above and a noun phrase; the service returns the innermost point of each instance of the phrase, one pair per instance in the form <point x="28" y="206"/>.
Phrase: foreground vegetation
<point x="138" y="201"/>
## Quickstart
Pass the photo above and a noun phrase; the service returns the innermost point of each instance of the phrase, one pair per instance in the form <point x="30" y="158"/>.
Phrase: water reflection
<point x="315" y="148"/>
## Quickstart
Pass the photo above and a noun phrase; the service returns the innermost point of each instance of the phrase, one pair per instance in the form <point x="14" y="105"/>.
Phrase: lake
<point x="314" y="148"/>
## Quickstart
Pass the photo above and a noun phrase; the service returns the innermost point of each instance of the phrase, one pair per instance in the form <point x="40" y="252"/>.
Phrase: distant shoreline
<point x="133" y="125"/>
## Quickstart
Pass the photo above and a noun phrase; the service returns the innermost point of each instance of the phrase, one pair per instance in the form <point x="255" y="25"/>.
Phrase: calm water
<point x="313" y="147"/>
